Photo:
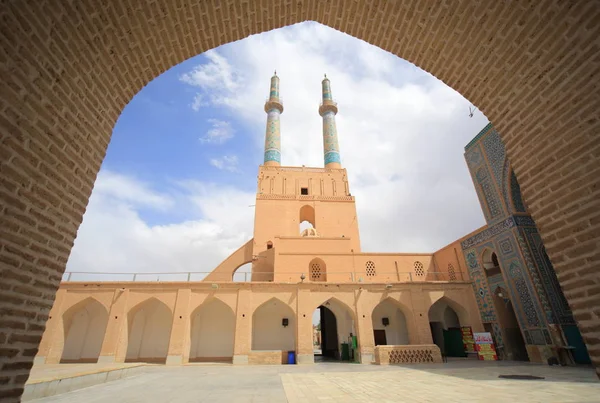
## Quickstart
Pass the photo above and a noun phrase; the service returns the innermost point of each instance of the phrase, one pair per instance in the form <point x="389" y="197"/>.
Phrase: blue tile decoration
<point x="523" y="291"/>
<point x="331" y="148"/>
<point x="495" y="153"/>
<point x="549" y="280"/>
<point x="480" y="287"/>
<point x="498" y="335"/>
<point x="488" y="233"/>
<point x="515" y="191"/>
<point x="474" y="157"/>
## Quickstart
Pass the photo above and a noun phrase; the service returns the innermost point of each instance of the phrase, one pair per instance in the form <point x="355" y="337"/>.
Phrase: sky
<point x="176" y="189"/>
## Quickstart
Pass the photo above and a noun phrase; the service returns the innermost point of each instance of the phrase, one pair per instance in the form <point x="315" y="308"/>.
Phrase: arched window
<point x="495" y="260"/>
<point x="419" y="271"/>
<point x="370" y="268"/>
<point x="317" y="270"/>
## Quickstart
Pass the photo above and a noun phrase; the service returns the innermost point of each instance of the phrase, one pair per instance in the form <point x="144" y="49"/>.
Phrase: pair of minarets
<point x="327" y="110"/>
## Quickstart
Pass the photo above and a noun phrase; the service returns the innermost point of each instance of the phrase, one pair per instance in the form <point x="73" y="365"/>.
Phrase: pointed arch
<point x="439" y="311"/>
<point x="399" y="329"/>
<point x="149" y="331"/>
<point x="212" y="329"/>
<point x="84" y="326"/>
<point x="268" y="330"/>
<point x="317" y="269"/>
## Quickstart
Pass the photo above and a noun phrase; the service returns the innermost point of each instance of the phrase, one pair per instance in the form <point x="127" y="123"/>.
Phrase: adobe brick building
<point x="69" y="69"/>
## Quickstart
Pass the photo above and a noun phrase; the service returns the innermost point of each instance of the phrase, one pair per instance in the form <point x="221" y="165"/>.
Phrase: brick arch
<point x="531" y="68"/>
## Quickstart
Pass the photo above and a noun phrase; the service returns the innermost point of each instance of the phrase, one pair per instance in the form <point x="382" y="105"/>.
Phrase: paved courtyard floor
<point x="458" y="381"/>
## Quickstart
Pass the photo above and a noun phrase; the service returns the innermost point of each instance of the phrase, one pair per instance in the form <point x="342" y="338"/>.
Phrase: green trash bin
<point x="345" y="352"/>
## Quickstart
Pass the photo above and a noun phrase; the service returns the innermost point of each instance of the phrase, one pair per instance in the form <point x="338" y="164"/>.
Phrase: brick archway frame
<point x="67" y="70"/>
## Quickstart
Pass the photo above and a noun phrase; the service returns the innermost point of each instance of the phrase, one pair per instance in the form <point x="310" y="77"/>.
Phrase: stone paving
<point x="460" y="381"/>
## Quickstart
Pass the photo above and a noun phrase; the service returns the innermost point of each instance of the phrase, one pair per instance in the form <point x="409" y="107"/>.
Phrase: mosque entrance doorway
<point x="333" y="332"/>
<point x="514" y="345"/>
<point x="445" y="329"/>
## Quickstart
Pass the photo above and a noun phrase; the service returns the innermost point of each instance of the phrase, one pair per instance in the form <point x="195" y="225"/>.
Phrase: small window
<point x="451" y="272"/>
<point x="370" y="268"/>
<point x="304" y="191"/>
<point x="269" y="245"/>
<point x="419" y="269"/>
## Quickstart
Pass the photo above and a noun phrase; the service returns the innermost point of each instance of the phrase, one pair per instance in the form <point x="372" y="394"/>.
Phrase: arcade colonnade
<point x="167" y="322"/>
<point x="68" y="69"/>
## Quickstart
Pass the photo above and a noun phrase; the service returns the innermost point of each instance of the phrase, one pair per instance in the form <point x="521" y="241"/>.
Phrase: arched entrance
<point x="514" y="345"/>
<point x="545" y="126"/>
<point x="445" y="328"/>
<point x="334" y="329"/>
<point x="212" y="332"/>
<point x="149" y="331"/>
<point x="274" y="327"/>
<point x="389" y="324"/>
<point x="84" y="326"/>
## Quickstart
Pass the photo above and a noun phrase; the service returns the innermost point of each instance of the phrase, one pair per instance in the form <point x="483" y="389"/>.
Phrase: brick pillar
<point x="53" y="338"/>
<point x="179" y="343"/>
<point x="304" y="329"/>
<point x="364" y="328"/>
<point x="421" y="317"/>
<point x="243" y="328"/>
<point x="114" y="346"/>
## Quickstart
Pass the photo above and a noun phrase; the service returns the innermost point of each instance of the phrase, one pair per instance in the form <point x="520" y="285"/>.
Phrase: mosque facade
<point x="374" y="307"/>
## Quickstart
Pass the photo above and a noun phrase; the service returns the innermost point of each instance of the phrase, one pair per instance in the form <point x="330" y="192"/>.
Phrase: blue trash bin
<point x="291" y="357"/>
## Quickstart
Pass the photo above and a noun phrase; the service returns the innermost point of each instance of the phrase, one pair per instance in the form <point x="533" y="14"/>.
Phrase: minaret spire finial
<point x="328" y="110"/>
<point x="274" y="108"/>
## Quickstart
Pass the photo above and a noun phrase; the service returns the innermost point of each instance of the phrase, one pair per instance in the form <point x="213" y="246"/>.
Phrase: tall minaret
<point x="274" y="108"/>
<point x="328" y="110"/>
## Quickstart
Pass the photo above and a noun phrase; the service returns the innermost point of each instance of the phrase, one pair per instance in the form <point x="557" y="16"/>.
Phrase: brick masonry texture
<point x="68" y="68"/>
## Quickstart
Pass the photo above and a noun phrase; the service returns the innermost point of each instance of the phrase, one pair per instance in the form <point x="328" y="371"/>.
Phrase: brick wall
<point x="69" y="68"/>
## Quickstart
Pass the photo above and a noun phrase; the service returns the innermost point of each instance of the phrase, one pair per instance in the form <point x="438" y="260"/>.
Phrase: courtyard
<point x="455" y="381"/>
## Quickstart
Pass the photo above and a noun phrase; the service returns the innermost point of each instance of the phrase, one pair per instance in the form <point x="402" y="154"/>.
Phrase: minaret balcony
<point x="274" y="103"/>
<point x="328" y="105"/>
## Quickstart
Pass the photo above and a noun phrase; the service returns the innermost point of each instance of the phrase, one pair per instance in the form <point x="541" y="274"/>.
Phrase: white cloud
<point x="114" y="238"/>
<point x="199" y="102"/>
<point x="227" y="163"/>
<point x="220" y="132"/>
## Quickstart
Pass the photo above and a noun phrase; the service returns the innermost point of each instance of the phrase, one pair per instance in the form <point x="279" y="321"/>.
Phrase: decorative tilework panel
<point x="524" y="221"/>
<point x="495" y="153"/>
<point x="331" y="148"/>
<point x="535" y="279"/>
<point x="550" y="283"/>
<point x="506" y="246"/>
<point x="515" y="191"/>
<point x="474" y="157"/>
<point x="273" y="137"/>
<point x="488" y="233"/>
<point x="491" y="199"/>
<point x="523" y="292"/>
<point x="498" y="334"/>
<point x="480" y="287"/>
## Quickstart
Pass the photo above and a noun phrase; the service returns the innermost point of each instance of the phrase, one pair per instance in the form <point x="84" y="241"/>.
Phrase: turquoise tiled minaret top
<point x="328" y="110"/>
<point x="274" y="108"/>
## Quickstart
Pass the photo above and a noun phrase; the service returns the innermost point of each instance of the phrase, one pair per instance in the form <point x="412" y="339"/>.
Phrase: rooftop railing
<point x="289" y="277"/>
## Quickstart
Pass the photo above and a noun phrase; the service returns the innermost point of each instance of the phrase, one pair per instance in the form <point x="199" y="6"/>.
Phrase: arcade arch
<point x="149" y="331"/>
<point x="390" y="325"/>
<point x="274" y="326"/>
<point x="212" y="330"/>
<point x="337" y="324"/>
<point x="84" y="329"/>
<point x="445" y="317"/>
<point x="522" y="89"/>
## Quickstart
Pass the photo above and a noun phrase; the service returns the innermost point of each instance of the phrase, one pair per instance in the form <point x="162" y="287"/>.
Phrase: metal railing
<point x="290" y="277"/>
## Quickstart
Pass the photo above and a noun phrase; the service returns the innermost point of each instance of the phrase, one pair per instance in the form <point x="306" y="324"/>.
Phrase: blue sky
<point x="174" y="191"/>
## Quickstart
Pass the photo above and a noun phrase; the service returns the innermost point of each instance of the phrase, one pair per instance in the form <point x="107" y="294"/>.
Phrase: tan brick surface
<point x="68" y="68"/>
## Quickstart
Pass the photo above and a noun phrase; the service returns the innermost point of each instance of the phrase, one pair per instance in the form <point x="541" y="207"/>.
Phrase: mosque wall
<point x="182" y="322"/>
<point x="522" y="270"/>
